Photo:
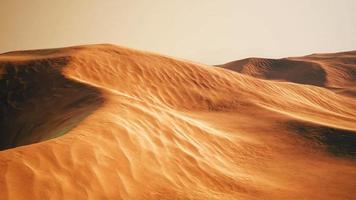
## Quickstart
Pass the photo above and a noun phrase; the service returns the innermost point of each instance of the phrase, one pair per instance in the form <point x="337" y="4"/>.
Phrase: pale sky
<point x="207" y="31"/>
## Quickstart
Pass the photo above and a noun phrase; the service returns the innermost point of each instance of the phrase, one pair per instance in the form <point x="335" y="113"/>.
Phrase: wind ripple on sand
<point x="163" y="128"/>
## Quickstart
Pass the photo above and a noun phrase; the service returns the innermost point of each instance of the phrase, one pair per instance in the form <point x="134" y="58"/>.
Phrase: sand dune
<point x="336" y="71"/>
<point x="108" y="122"/>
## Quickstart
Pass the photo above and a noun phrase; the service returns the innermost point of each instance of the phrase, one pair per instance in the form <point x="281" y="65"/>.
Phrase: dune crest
<point x="335" y="71"/>
<point x="117" y="123"/>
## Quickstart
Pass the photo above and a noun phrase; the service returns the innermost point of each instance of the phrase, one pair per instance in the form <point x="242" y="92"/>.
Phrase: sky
<point x="206" y="31"/>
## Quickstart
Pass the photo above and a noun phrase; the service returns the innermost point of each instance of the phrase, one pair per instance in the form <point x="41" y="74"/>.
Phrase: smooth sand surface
<point x="108" y="122"/>
<point x="335" y="71"/>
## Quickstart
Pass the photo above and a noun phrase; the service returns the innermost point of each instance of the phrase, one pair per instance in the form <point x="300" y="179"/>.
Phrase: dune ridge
<point x="138" y="125"/>
<point x="335" y="71"/>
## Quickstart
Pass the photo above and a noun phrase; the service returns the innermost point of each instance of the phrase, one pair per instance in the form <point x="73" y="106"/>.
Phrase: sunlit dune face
<point x="117" y="123"/>
<point x="335" y="71"/>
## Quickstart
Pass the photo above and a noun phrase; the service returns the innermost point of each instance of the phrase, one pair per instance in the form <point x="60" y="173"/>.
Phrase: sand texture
<point x="335" y="71"/>
<point x="109" y="122"/>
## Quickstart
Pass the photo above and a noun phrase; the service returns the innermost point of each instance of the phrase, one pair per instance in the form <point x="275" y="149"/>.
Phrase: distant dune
<point x="336" y="71"/>
<point x="108" y="122"/>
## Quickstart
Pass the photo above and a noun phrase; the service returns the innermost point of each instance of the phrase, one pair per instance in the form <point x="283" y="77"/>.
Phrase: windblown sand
<point x="107" y="122"/>
<point x="335" y="71"/>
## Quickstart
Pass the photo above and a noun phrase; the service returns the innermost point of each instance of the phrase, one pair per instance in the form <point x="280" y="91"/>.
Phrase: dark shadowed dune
<point x="340" y="142"/>
<point x="39" y="103"/>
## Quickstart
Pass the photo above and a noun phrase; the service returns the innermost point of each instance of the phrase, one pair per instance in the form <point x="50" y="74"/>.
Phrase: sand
<point x="335" y="71"/>
<point x="109" y="122"/>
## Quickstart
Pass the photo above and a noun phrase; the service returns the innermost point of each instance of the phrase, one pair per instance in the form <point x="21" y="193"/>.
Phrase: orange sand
<point x="335" y="71"/>
<point x="135" y="125"/>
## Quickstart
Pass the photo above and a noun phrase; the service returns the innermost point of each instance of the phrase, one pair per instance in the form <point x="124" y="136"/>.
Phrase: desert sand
<point x="335" y="71"/>
<point x="109" y="122"/>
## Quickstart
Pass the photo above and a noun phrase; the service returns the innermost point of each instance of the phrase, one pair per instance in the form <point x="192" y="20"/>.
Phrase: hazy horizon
<point x="211" y="32"/>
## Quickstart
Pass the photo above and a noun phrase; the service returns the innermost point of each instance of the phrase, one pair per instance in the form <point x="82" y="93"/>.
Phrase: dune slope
<point x="108" y="122"/>
<point x="336" y="71"/>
